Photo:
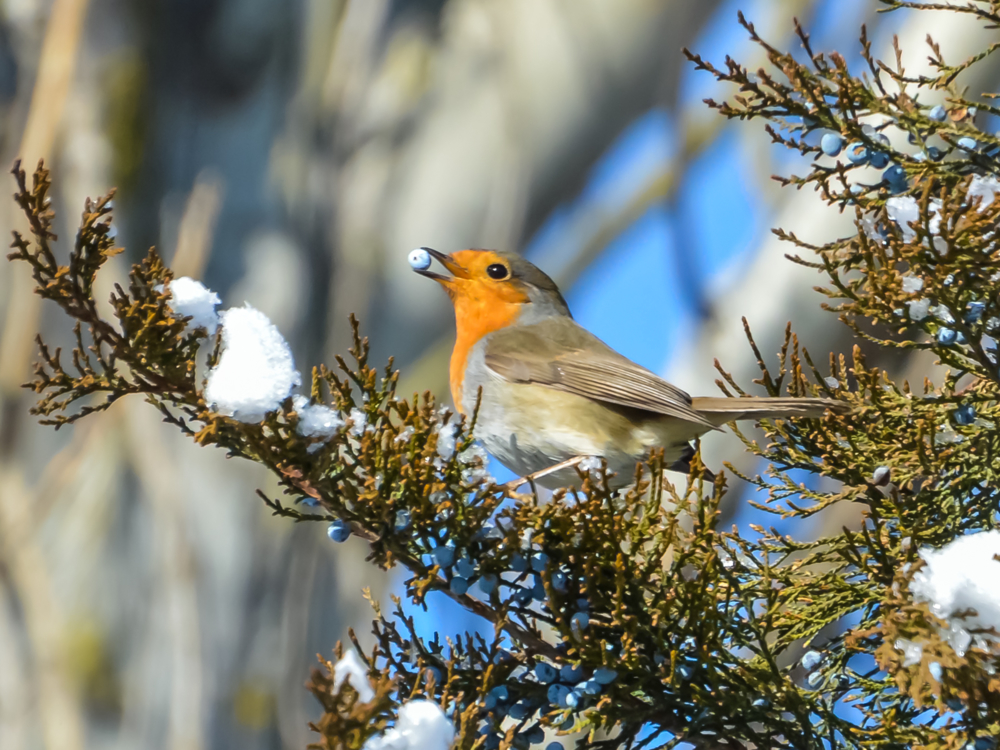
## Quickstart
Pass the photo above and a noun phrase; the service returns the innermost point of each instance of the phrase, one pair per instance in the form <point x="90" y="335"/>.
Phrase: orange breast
<point x="477" y="313"/>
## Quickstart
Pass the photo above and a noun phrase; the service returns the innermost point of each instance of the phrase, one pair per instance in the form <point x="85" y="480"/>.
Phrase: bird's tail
<point x="721" y="410"/>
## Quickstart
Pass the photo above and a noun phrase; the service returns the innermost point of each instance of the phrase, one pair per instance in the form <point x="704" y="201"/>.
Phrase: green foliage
<point x="696" y="628"/>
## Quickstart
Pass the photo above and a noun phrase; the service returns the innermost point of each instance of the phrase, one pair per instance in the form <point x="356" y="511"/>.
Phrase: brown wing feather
<point x="558" y="353"/>
<point x="722" y="410"/>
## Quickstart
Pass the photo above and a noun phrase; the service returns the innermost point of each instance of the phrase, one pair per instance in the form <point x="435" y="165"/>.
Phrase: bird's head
<point x="491" y="289"/>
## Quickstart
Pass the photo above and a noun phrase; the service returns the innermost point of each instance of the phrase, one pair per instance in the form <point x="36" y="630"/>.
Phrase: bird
<point x="548" y="394"/>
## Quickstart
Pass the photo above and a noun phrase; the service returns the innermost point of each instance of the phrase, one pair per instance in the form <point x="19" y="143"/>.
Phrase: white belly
<point x="531" y="432"/>
<point x="530" y="427"/>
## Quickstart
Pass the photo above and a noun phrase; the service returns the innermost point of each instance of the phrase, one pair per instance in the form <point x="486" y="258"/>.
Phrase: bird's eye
<point x="497" y="271"/>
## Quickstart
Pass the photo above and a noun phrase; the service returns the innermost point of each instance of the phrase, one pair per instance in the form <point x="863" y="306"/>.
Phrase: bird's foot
<point x="529" y="478"/>
<point x="683" y="465"/>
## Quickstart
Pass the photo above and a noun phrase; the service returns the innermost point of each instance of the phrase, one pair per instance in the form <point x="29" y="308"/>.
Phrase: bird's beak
<point x="456" y="270"/>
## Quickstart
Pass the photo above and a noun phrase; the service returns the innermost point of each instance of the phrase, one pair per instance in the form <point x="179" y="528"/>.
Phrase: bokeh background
<point x="290" y="153"/>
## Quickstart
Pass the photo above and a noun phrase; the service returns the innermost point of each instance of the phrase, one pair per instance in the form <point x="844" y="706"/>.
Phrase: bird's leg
<point x="683" y="464"/>
<point x="513" y="485"/>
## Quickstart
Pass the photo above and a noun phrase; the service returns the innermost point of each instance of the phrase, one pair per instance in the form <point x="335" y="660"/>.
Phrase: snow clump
<point x="446" y="440"/>
<point x="913" y="651"/>
<point x="963" y="575"/>
<point x="421" y="725"/>
<point x="190" y="298"/>
<point x="316" y="420"/>
<point x="983" y="188"/>
<point x="904" y="211"/>
<point x="475" y="460"/>
<point x="919" y="309"/>
<point x="352" y="669"/>
<point x="255" y="372"/>
<point x="359" y="422"/>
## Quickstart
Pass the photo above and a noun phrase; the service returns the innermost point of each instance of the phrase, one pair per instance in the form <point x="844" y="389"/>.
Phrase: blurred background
<point x="290" y="153"/>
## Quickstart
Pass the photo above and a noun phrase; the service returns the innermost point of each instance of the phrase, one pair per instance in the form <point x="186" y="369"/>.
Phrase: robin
<point x="552" y="393"/>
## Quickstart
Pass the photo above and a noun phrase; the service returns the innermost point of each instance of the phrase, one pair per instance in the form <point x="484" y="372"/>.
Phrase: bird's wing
<point x="558" y="353"/>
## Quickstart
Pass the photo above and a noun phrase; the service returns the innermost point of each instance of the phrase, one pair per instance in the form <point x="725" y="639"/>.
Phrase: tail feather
<point x="722" y="410"/>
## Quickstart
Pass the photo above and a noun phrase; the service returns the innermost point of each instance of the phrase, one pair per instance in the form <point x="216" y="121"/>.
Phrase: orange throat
<point x="476" y="316"/>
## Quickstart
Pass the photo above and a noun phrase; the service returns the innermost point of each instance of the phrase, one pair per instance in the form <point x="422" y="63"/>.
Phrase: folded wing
<point x="557" y="353"/>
